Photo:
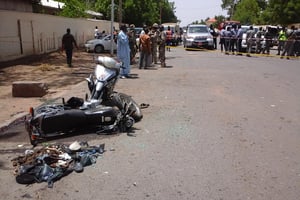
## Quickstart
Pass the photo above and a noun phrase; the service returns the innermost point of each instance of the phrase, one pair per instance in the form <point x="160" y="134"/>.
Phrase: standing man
<point x="169" y="36"/>
<point x="222" y="38"/>
<point x="228" y="35"/>
<point x="258" y="37"/>
<point x="132" y="43"/>
<point x="96" y="33"/>
<point x="268" y="41"/>
<point x="214" y="34"/>
<point x="289" y="44"/>
<point x="123" y="51"/>
<point x="153" y="36"/>
<point x="161" y="40"/>
<point x="67" y="44"/>
<point x="249" y="40"/>
<point x="281" y="38"/>
<point x="233" y="39"/>
<point x="145" y="50"/>
<point x="239" y="37"/>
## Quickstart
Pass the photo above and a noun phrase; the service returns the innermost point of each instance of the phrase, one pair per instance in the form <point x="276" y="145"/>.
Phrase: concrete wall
<point x="23" y="34"/>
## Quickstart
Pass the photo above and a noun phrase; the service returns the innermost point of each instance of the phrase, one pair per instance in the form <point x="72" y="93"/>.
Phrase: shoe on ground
<point x="122" y="77"/>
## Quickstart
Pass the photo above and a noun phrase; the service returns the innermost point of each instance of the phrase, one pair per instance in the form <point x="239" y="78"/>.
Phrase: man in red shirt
<point x="145" y="49"/>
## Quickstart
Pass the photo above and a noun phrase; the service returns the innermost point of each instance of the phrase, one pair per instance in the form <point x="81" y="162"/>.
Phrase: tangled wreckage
<point x="50" y="163"/>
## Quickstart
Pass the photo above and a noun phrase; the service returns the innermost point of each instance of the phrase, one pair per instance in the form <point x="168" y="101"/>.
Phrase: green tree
<point x="136" y="12"/>
<point x="247" y="12"/>
<point x="282" y="12"/>
<point x="73" y="8"/>
<point x="229" y="5"/>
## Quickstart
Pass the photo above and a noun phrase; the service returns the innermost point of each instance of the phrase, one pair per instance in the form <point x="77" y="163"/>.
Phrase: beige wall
<point x="23" y="34"/>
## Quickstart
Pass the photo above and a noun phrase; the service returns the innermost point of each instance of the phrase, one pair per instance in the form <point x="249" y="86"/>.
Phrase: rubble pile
<point x="52" y="162"/>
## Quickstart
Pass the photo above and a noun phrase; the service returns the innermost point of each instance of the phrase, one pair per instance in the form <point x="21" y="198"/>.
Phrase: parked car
<point x="100" y="45"/>
<point x="274" y="34"/>
<point x="198" y="36"/>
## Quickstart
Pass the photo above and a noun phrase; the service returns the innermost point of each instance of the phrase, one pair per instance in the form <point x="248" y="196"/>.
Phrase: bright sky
<point x="189" y="11"/>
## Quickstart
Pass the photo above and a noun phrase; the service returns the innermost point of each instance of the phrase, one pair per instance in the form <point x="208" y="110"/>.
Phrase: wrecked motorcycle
<point x="105" y="110"/>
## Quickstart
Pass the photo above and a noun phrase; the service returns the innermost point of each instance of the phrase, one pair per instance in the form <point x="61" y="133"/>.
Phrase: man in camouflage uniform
<point x="132" y="44"/>
<point x="161" y="40"/>
<point x="154" y="33"/>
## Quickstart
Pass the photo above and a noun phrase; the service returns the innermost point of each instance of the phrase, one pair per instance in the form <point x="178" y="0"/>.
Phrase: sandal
<point x="144" y="105"/>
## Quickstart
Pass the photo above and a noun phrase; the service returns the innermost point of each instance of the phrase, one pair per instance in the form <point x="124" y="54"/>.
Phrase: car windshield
<point x="198" y="29"/>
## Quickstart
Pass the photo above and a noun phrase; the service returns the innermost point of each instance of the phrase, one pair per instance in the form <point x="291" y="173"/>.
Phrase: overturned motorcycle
<point x="105" y="110"/>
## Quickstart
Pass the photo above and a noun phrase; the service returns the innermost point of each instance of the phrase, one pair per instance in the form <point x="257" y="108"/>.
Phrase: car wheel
<point x="99" y="49"/>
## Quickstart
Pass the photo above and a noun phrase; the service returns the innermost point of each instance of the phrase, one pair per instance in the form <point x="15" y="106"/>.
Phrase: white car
<point x="198" y="36"/>
<point x="100" y="45"/>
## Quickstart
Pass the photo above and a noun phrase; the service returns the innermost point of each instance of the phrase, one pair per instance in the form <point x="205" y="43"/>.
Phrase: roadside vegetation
<point x="140" y="12"/>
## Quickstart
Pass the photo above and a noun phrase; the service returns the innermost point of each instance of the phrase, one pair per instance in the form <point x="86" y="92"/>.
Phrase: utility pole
<point x="112" y="28"/>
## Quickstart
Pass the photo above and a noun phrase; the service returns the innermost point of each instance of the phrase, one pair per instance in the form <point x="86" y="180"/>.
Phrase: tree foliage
<point x="73" y="8"/>
<point x="247" y="12"/>
<point x="281" y="12"/>
<point x="138" y="12"/>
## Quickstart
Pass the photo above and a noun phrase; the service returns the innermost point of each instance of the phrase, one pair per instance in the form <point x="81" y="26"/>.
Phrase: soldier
<point x="249" y="39"/>
<point x="154" y="36"/>
<point x="161" y="40"/>
<point x="258" y="40"/>
<point x="132" y="43"/>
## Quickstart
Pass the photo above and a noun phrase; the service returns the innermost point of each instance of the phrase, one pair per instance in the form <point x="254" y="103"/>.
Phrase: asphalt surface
<point x="218" y="127"/>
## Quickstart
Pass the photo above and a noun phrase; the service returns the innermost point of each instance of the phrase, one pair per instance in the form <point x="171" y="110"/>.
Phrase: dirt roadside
<point x="50" y="69"/>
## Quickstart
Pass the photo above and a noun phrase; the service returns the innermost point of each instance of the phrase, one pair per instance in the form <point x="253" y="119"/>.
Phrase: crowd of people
<point x="153" y="41"/>
<point x="260" y="41"/>
<point x="151" y="45"/>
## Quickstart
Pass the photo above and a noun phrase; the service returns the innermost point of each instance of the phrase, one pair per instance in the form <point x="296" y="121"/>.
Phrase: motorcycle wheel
<point x="122" y="100"/>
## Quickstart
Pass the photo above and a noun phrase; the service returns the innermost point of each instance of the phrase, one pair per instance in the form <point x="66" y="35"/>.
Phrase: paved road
<point x="218" y="127"/>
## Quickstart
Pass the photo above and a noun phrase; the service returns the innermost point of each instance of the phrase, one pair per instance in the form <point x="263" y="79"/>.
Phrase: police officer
<point x="281" y="38"/>
<point x="161" y="40"/>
